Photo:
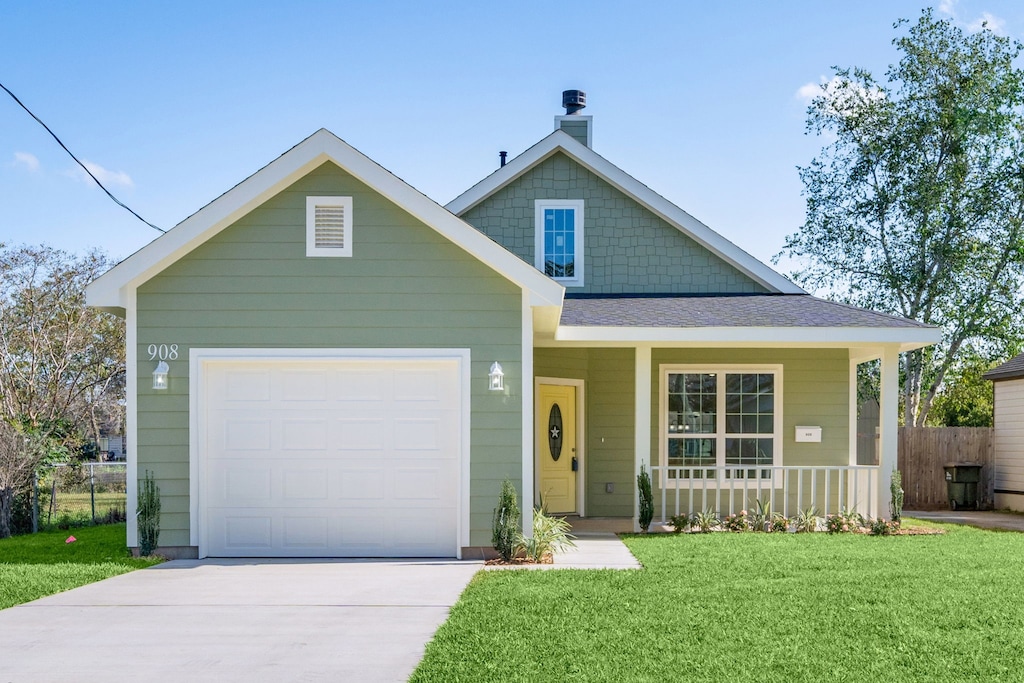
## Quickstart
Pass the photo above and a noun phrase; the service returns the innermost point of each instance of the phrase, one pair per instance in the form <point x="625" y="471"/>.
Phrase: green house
<point x="324" y="362"/>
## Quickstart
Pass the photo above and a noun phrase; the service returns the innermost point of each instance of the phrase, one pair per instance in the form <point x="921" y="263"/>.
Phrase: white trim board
<point x="200" y="357"/>
<point x="560" y="141"/>
<point x="111" y="289"/>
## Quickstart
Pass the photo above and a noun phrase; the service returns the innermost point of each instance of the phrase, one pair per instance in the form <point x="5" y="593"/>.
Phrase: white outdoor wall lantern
<point x="160" y="376"/>
<point x="497" y="377"/>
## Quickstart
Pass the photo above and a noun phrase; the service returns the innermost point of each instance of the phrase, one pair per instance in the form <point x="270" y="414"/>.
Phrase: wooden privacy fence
<point x="923" y="451"/>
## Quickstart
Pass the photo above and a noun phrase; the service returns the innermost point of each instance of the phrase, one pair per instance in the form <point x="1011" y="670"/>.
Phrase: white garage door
<point x="330" y="458"/>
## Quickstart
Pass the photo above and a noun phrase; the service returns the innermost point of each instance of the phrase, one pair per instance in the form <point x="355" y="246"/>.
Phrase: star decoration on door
<point x="555" y="432"/>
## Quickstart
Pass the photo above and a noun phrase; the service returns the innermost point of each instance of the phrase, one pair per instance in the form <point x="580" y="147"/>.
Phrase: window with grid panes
<point x="725" y="418"/>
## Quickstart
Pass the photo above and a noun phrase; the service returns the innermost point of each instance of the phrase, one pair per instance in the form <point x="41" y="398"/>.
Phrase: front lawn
<point x="765" y="607"/>
<point x="35" y="565"/>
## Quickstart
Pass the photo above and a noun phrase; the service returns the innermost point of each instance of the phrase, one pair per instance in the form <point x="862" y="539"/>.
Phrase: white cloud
<point x="948" y="7"/>
<point x="834" y="89"/>
<point x="27" y="160"/>
<point x="108" y="178"/>
<point x="989" y="21"/>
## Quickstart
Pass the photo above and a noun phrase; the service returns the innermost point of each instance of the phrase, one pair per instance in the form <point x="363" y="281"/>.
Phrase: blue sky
<point x="174" y="103"/>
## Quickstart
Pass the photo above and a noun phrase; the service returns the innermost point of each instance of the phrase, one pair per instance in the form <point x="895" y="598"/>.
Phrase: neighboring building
<point x="324" y="362"/>
<point x="1008" y="381"/>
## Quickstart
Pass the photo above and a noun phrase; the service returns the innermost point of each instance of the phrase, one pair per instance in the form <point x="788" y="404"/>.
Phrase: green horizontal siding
<point x="252" y="285"/>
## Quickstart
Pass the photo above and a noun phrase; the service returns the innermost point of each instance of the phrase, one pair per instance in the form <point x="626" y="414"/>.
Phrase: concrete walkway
<point x="981" y="519"/>
<point x="236" y="620"/>
<point x="594" y="550"/>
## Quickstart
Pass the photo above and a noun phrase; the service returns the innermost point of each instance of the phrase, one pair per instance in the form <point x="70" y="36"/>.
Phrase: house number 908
<point x="163" y="351"/>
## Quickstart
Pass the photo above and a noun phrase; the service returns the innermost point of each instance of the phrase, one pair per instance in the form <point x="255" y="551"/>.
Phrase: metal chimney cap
<point x="573" y="100"/>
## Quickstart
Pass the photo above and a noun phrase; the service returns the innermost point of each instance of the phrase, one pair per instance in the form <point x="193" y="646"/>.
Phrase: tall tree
<point x="916" y="206"/>
<point x="61" y="363"/>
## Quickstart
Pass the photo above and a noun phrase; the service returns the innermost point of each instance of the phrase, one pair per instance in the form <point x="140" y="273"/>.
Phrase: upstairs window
<point x="328" y="226"/>
<point x="559" y="243"/>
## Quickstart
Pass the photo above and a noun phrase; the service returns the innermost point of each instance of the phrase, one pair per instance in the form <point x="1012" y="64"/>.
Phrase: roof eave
<point x="111" y="289"/>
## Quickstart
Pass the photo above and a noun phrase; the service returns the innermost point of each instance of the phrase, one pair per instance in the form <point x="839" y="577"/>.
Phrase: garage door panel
<point x="305" y="532"/>
<point x="331" y="458"/>
<point x="304" y="434"/>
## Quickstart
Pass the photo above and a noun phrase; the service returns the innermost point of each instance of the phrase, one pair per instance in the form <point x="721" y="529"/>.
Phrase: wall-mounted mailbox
<point x="808" y="434"/>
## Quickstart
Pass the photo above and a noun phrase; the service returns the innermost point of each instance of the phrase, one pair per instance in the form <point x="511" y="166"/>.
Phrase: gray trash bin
<point x="962" y="485"/>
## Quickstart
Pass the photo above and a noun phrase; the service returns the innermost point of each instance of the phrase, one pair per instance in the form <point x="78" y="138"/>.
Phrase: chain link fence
<point x="65" y="496"/>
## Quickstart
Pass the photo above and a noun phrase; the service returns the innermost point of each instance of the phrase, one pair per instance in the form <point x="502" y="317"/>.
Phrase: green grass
<point x="36" y="565"/>
<point x="764" y="607"/>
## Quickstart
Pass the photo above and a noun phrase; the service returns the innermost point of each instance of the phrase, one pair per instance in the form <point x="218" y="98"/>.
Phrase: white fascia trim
<point x="908" y="338"/>
<point x="577" y="205"/>
<point x="111" y="288"/>
<point x="199" y="357"/>
<point x="131" y="419"/>
<point x="684" y="222"/>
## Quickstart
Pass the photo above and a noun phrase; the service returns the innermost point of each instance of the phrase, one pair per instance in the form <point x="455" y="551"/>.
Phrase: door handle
<point x="575" y="464"/>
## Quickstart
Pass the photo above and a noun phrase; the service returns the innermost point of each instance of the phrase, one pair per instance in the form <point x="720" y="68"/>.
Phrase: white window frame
<point x="311" y="249"/>
<point x="720" y="435"/>
<point x="538" y="228"/>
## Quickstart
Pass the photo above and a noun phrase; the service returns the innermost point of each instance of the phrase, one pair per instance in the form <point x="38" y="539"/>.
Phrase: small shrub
<point x="882" y="527"/>
<point x="643" y="488"/>
<point x="761" y="515"/>
<point x="679" y="523"/>
<point x="779" y="523"/>
<point x="807" y="520"/>
<point x="148" y="515"/>
<point x="845" y="521"/>
<point x="550" y="535"/>
<point x="896" y="505"/>
<point x="506" y="526"/>
<point x="738" y="522"/>
<point x="705" y="521"/>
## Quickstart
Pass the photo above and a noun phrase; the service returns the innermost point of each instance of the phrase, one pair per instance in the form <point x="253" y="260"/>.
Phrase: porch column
<point x="888" y="423"/>
<point x="641" y="421"/>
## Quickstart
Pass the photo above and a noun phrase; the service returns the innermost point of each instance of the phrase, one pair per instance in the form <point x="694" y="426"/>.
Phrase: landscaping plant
<point x="807" y="520"/>
<point x="507" y="522"/>
<point x="843" y="522"/>
<point x="737" y="522"/>
<point x="706" y="521"/>
<point x="679" y="523"/>
<point x="550" y="535"/>
<point x="148" y="515"/>
<point x="643" y="488"/>
<point x="896" y="505"/>
<point x="761" y="514"/>
<point x="779" y="523"/>
<point x="882" y="527"/>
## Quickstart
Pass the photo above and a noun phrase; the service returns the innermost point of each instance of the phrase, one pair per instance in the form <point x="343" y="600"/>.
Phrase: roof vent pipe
<point x="573" y="101"/>
<point x="503" y="156"/>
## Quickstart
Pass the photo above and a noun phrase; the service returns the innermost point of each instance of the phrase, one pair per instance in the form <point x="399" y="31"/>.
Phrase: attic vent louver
<point x="328" y="226"/>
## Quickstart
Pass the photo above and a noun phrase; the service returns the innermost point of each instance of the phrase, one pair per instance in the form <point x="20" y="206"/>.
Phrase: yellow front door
<point x="556" y="447"/>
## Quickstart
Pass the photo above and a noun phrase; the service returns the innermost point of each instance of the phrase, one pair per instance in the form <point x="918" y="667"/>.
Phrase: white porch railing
<point x="729" y="489"/>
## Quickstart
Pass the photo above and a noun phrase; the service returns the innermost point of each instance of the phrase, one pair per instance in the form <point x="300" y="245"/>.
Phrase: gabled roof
<point x="559" y="141"/>
<point x="755" y="319"/>
<point x="1011" y="369"/>
<point x="112" y="289"/>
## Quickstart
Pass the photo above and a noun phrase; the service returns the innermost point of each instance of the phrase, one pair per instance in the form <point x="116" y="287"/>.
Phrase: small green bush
<point x="882" y="527"/>
<point x="779" y="524"/>
<point x="679" y="523"/>
<point x="148" y="515"/>
<point x="706" y="521"/>
<point x="896" y="488"/>
<point x="506" y="526"/>
<point x="807" y="520"/>
<point x="643" y="488"/>
<point x="761" y="515"/>
<point x="738" y="522"/>
<point x="550" y="535"/>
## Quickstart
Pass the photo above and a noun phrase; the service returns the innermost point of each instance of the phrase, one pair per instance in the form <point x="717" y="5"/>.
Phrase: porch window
<point x="721" y="421"/>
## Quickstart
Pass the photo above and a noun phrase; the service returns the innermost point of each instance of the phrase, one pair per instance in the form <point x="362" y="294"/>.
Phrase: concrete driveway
<point x="236" y="620"/>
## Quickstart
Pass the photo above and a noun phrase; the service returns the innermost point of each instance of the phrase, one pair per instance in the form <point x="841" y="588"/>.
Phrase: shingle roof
<point x="789" y="310"/>
<point x="1011" y="369"/>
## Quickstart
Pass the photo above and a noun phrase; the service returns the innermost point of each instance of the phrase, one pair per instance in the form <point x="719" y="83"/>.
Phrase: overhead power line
<point x="84" y="168"/>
